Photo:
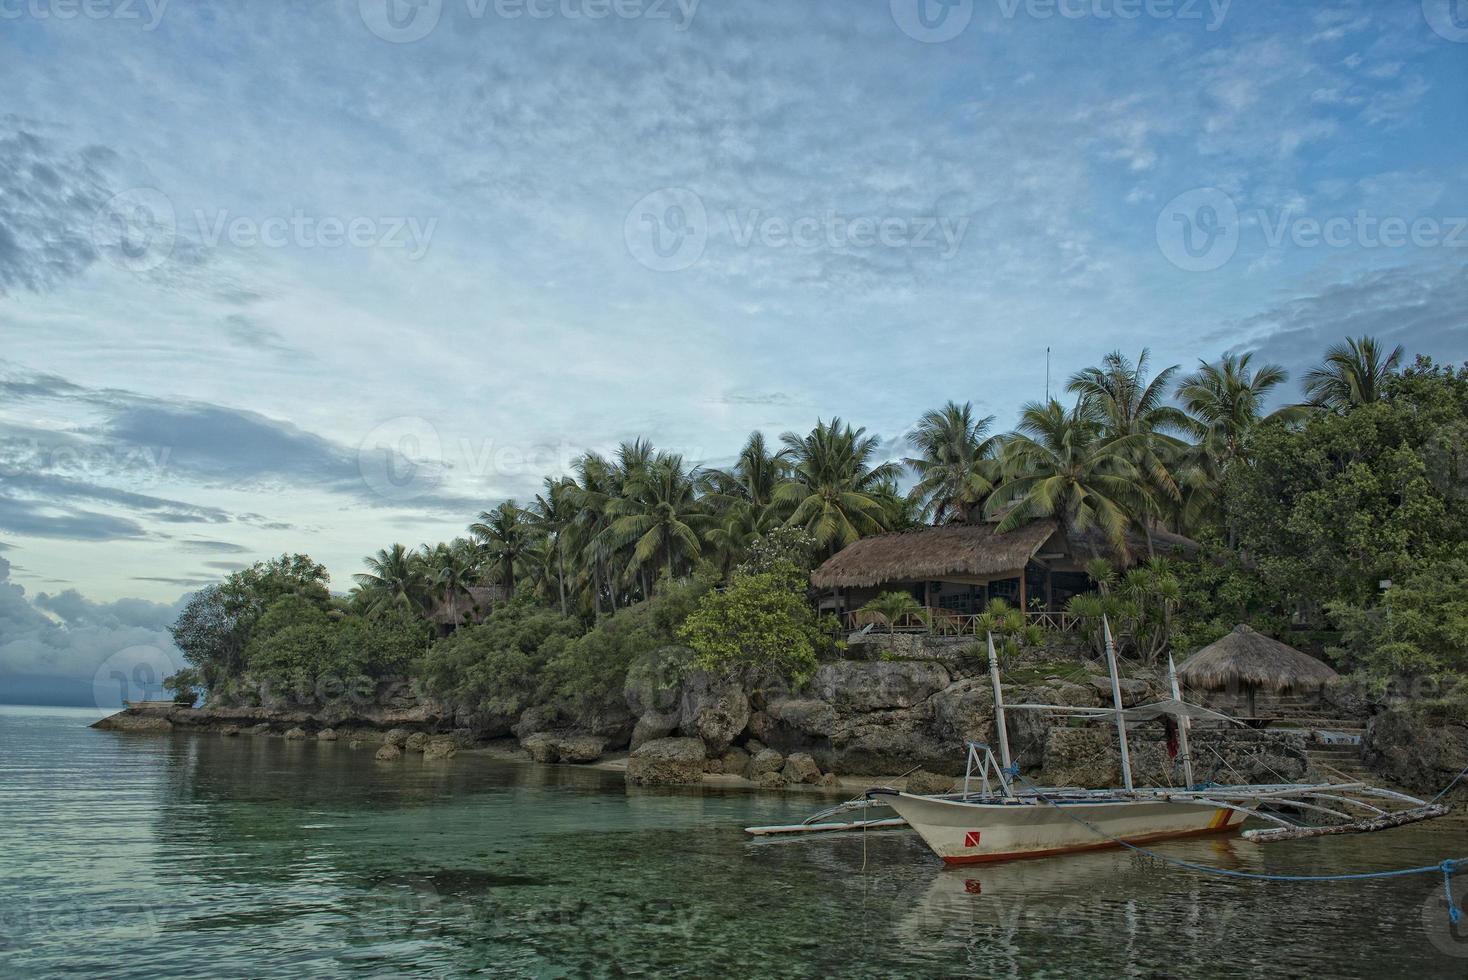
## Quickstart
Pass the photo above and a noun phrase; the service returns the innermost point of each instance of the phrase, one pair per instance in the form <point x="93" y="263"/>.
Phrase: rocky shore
<point x="908" y="708"/>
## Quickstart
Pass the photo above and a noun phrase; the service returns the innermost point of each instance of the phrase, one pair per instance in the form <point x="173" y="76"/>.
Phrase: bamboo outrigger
<point x="999" y="816"/>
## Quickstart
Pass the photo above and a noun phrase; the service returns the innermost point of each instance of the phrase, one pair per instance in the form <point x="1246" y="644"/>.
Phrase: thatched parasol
<point x="1250" y="660"/>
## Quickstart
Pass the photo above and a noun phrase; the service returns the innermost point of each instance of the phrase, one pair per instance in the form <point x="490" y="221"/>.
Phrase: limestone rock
<point x="230" y="731"/>
<point x="667" y="762"/>
<point x="735" y="761"/>
<point x="579" y="748"/>
<point x="853" y="686"/>
<point x="925" y="783"/>
<point x="389" y="753"/>
<point x="296" y="734"/>
<point x="653" y="725"/>
<point x="1133" y="692"/>
<point x="416" y="742"/>
<point x="809" y="716"/>
<point x="768" y="760"/>
<point x="126" y="722"/>
<point x="541" y="747"/>
<point x="261" y="729"/>
<point x="397" y="737"/>
<point x="327" y="735"/>
<point x="801" y="768"/>
<point x="714" y="711"/>
<point x="439" y="749"/>
<point x="830" y="781"/>
<point x="770" y="780"/>
<point x="355" y="743"/>
<point x="1420" y="753"/>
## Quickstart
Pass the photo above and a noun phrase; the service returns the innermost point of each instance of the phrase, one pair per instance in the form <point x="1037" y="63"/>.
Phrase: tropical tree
<point x="835" y="489"/>
<point x="659" y="517"/>
<point x="956" y="463"/>
<point x="553" y="515"/>
<point x="753" y="478"/>
<point x="893" y="607"/>
<point x="1062" y="464"/>
<point x="1354" y="373"/>
<point x="395" y="579"/>
<point x="504" y="536"/>
<point x="452" y="568"/>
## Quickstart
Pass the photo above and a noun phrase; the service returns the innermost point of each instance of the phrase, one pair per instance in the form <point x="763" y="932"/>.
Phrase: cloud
<point x="48" y="201"/>
<point x="212" y="547"/>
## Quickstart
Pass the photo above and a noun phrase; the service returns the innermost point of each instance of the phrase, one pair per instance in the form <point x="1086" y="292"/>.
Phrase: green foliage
<point x="184" y="685"/>
<point x="1419" y="629"/>
<point x="1011" y="629"/>
<point x="497" y="665"/>
<point x="761" y="627"/>
<point x="895" y="607"/>
<point x="793" y="545"/>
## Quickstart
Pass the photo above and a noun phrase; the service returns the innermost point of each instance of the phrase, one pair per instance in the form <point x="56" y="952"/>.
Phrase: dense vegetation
<point x="637" y="566"/>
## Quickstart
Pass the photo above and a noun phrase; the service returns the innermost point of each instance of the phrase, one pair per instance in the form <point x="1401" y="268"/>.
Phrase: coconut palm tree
<point x="834" y="489"/>
<point x="504" y="536"/>
<point x="395" y="579"/>
<point x="451" y="570"/>
<point x="552" y="514"/>
<point x="1063" y="464"/>
<point x="659" y="517"/>
<point x="753" y="478"/>
<point x="956" y="463"/>
<point x="1354" y="373"/>
<point x="731" y="533"/>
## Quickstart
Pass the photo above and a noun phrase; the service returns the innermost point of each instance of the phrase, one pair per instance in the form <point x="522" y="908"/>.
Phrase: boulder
<point x="230" y="731"/>
<point x="768" y="760"/>
<point x="541" y="747"/>
<point x="296" y="734"/>
<point x="853" y="686"/>
<point x="830" y="781"/>
<point x="964" y="712"/>
<point x="925" y="783"/>
<point x="537" y="718"/>
<point x="416" y="742"/>
<point x="396" y="737"/>
<point x="1133" y="692"/>
<point x="667" y="762"/>
<point x="801" y="768"/>
<point x="1411" y="748"/>
<point x="579" y="748"/>
<point x="735" y="761"/>
<point x="713" y="711"/>
<point x="771" y="780"/>
<point x="653" y="725"/>
<point x="327" y="735"/>
<point x="439" y="749"/>
<point x="389" y="753"/>
<point x="261" y="729"/>
<point x="126" y="722"/>
<point x="808" y="716"/>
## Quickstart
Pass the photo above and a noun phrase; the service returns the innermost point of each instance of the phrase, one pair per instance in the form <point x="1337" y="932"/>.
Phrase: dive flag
<point x="971" y="839"/>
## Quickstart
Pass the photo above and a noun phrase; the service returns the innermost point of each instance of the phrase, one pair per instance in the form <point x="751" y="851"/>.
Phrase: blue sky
<point x="251" y="252"/>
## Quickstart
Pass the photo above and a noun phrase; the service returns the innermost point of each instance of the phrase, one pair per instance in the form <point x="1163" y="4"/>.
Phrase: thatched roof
<point x="931" y="553"/>
<point x="1247" y="659"/>
<point x="474" y="607"/>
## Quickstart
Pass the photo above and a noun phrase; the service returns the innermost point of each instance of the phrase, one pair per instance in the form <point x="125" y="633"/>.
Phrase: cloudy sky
<point x="326" y="275"/>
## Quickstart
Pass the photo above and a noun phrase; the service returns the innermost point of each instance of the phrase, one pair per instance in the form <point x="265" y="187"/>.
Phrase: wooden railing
<point x="946" y="622"/>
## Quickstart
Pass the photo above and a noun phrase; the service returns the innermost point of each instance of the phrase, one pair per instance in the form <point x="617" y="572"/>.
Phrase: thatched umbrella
<point x="1251" y="660"/>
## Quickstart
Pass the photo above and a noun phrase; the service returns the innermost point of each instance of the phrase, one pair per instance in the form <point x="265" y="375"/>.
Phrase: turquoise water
<point x="187" y="855"/>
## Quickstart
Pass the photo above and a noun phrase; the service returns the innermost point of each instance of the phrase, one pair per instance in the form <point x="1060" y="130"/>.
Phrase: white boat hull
<point x="970" y="833"/>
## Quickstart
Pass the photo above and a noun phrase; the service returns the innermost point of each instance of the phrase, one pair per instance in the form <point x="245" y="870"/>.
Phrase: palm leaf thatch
<point x="1245" y="659"/>
<point x="932" y="553"/>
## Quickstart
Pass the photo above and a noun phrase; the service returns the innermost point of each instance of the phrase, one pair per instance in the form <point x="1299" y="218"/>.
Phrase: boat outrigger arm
<point x="998" y="815"/>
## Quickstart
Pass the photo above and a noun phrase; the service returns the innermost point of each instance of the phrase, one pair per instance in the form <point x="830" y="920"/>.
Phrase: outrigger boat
<point x="996" y="819"/>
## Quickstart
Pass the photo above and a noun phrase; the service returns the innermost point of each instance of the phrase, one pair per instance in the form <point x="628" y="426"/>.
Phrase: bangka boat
<point x="1000" y="817"/>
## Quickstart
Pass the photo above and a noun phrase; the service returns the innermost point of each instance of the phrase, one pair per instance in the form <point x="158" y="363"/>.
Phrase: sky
<point x="328" y="275"/>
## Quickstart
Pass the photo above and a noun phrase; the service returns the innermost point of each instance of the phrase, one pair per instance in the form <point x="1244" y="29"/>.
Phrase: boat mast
<point x="998" y="705"/>
<point x="1126" y="762"/>
<point x="1183" y="723"/>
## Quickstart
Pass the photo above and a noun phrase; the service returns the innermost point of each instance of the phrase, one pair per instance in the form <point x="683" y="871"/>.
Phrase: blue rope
<point x="1449" y="787"/>
<point x="1446" y="867"/>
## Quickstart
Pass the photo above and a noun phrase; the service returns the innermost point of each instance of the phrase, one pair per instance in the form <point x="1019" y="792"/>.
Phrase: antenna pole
<point x="1126" y="762"/>
<point x="1183" y="723"/>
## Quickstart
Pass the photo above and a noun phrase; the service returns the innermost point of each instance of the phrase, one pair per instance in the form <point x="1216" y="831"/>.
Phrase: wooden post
<point x="1049" y="589"/>
<point x="1022" y="598"/>
<point x="1126" y="762"/>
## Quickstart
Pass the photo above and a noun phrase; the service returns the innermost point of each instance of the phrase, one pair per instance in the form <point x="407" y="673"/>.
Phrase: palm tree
<point x="452" y="569"/>
<point x="1354" y="373"/>
<point x="834" y="489"/>
<point x="1063" y="464"/>
<point x="955" y="463"/>
<point x="395" y="579"/>
<point x="659" y="516"/>
<point x="552" y="514"/>
<point x="504" y="535"/>
<point x="754" y="476"/>
<point x="732" y="533"/>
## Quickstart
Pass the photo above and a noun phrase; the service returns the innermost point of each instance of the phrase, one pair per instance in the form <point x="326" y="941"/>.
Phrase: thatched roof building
<point x="473" y="608"/>
<point x="962" y="566"/>
<point x="1249" y="661"/>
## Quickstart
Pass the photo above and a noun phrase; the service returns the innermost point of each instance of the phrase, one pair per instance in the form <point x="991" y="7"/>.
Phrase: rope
<point x="1449" y="788"/>
<point x="1445" y="867"/>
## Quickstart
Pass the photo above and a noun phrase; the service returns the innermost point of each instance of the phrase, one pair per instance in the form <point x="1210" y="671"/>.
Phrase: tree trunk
<point x="561" y="562"/>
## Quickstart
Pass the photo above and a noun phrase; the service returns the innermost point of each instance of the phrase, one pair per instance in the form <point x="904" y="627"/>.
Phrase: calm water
<point x="143" y="856"/>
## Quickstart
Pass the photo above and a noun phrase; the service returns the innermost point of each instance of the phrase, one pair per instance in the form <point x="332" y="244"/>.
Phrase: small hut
<point x="467" y="609"/>
<point x="1250" y="661"/>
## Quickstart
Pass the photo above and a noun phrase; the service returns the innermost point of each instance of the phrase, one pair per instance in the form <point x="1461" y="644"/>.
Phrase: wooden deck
<point x="945" y="622"/>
